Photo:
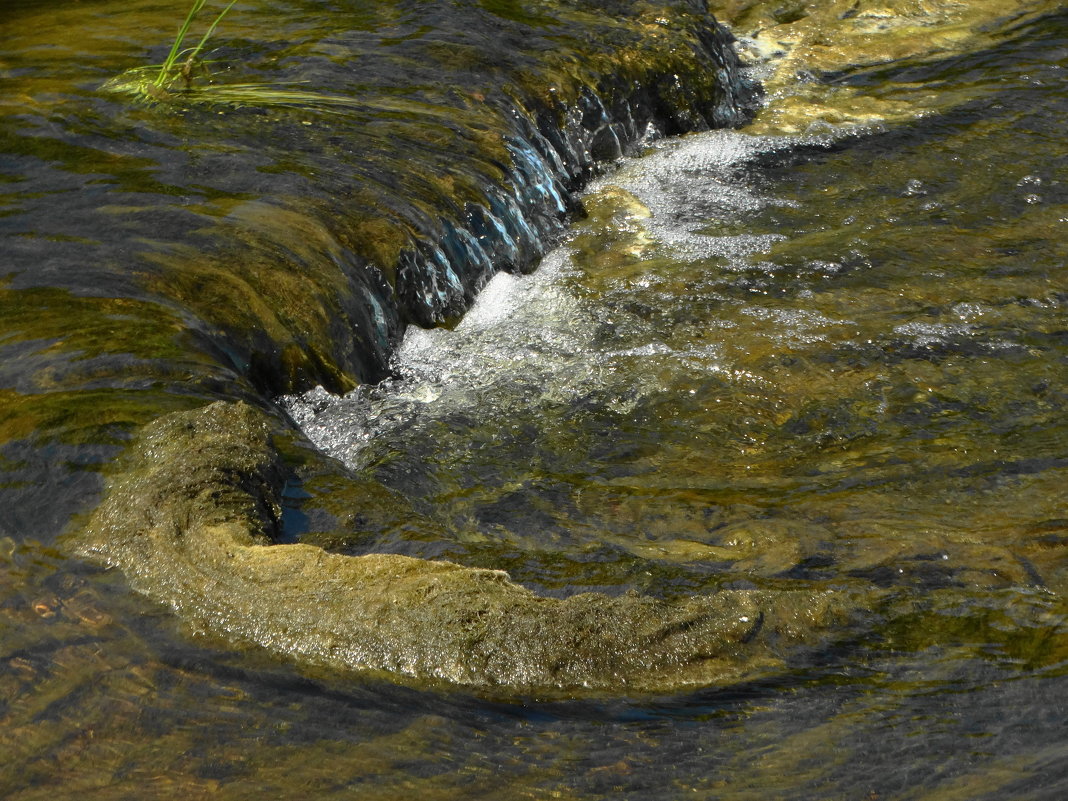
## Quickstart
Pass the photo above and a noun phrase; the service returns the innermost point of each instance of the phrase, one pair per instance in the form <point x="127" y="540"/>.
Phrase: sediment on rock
<point x="809" y="54"/>
<point x="189" y="520"/>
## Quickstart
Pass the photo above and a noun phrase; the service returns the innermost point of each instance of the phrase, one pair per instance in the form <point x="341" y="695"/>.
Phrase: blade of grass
<point x="172" y="57"/>
<point x="211" y="30"/>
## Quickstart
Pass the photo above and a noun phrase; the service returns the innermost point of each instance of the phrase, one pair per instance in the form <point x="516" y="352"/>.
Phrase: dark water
<point x="838" y="360"/>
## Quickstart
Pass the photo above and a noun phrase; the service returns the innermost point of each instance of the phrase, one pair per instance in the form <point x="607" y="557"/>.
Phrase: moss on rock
<point x="191" y="516"/>
<point x="802" y="49"/>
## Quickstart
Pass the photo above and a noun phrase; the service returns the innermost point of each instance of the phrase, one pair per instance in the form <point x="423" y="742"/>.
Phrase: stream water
<point x="835" y="358"/>
<point x="829" y="360"/>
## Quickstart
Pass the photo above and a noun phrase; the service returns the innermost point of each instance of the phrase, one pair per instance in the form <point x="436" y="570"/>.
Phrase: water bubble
<point x="1029" y="180"/>
<point x="1032" y="199"/>
<point x="968" y="311"/>
<point x="914" y="187"/>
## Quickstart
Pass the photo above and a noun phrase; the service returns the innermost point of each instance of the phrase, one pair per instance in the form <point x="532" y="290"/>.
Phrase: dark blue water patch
<point x="43" y="485"/>
<point x="294" y="519"/>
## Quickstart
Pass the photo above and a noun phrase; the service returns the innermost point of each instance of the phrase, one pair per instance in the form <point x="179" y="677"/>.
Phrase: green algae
<point x="92" y="370"/>
<point x="426" y="154"/>
<point x="89" y="709"/>
<point x="287" y="324"/>
<point x="191" y="516"/>
<point x="1024" y="628"/>
<point x="139" y="329"/>
<point x="850" y="444"/>
<point x="276" y="298"/>
<point x="94" y="714"/>
<point x="262" y="237"/>
<point x="821" y="42"/>
<point x="830" y="442"/>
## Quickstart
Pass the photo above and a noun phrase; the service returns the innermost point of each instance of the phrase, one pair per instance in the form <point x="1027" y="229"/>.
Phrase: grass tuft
<point x="154" y="83"/>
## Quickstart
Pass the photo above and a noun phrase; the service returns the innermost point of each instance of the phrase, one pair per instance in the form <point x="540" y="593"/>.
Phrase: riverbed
<point x="820" y="356"/>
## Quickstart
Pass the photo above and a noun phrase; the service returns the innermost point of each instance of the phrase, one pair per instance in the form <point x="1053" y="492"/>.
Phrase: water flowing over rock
<point x="189" y="521"/>
<point x="237" y="249"/>
<point x="754" y="488"/>
<point x="185" y="261"/>
<point x="820" y="61"/>
<point x="392" y="209"/>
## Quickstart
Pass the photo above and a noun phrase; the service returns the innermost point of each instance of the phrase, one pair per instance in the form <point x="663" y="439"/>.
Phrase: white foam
<point x="530" y="341"/>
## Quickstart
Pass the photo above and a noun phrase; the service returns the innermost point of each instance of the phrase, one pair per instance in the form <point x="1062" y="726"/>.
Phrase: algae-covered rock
<point x="189" y="519"/>
<point x="325" y="181"/>
<point x="806" y="51"/>
<point x="235" y="249"/>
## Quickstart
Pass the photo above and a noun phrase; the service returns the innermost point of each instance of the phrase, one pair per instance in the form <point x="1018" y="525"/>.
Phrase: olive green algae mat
<point x="190" y="522"/>
<point x="313" y="185"/>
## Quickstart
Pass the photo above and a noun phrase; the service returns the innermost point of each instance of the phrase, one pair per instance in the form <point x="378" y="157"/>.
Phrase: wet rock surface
<point x="238" y="249"/>
<point x="188" y="520"/>
<point x="878" y="476"/>
<point x="820" y="62"/>
<point x="212" y="248"/>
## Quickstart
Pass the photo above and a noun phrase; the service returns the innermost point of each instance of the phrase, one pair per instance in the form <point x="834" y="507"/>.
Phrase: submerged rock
<point x="190" y="519"/>
<point x="809" y="55"/>
<point x="240" y="248"/>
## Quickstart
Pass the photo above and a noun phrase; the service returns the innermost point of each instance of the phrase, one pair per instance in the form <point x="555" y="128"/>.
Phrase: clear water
<point x="760" y="355"/>
<point x="838" y="359"/>
<point x="835" y="360"/>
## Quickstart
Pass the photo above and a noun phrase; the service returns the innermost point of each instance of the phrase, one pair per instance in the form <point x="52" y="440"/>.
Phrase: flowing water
<point x="831" y="360"/>
<point x="836" y="358"/>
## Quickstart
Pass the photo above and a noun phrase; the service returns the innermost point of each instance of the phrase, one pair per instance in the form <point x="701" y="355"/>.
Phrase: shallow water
<point x="760" y="355"/>
<point x="837" y="359"/>
<point x="834" y="360"/>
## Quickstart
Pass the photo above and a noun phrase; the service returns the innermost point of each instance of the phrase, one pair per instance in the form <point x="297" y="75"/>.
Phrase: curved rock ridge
<point x="265" y="249"/>
<point x="190" y="518"/>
